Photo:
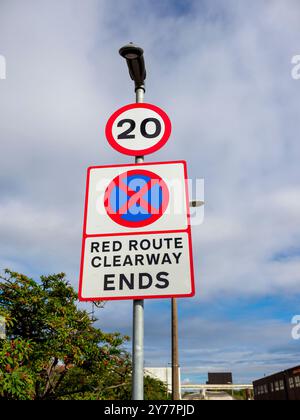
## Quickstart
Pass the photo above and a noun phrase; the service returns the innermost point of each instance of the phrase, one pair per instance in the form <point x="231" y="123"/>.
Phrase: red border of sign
<point x="115" y="145"/>
<point x="116" y="217"/>
<point x="85" y="236"/>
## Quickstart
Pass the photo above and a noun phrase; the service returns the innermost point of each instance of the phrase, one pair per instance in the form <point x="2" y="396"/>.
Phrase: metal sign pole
<point x="138" y="317"/>
<point x="176" y="386"/>
<point x="175" y="358"/>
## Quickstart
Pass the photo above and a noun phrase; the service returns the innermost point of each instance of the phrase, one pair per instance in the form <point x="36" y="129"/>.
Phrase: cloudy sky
<point x="222" y="71"/>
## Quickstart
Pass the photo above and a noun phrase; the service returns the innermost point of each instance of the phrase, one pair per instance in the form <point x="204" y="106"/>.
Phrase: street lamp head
<point x="134" y="57"/>
<point x="131" y="51"/>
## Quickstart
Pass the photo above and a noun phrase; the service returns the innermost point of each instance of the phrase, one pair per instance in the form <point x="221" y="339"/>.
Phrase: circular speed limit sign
<point x="138" y="129"/>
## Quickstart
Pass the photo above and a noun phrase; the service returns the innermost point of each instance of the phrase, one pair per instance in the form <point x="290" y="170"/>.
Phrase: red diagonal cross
<point x="136" y="196"/>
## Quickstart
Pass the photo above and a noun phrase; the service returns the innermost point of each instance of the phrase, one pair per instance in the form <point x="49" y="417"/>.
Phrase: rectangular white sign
<point x="137" y="235"/>
<point x="100" y="179"/>
<point x="137" y="267"/>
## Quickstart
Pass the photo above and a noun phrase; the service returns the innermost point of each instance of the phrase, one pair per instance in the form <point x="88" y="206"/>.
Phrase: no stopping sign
<point x="138" y="129"/>
<point x="136" y="198"/>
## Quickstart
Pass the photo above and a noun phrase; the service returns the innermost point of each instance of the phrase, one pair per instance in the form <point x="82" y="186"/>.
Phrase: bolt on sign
<point x="136" y="235"/>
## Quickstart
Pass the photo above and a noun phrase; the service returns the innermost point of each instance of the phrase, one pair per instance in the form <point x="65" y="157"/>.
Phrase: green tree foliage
<point x="52" y="349"/>
<point x="16" y="377"/>
<point x="155" y="389"/>
<point x="240" y="395"/>
<point x="50" y="342"/>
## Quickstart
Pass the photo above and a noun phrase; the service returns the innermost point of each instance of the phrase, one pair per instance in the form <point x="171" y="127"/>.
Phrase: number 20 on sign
<point x="138" y="129"/>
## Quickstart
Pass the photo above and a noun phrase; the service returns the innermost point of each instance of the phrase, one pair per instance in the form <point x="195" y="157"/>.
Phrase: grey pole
<point x="176" y="386"/>
<point x="175" y="357"/>
<point x="137" y="71"/>
<point x="140" y="93"/>
<point x="138" y="317"/>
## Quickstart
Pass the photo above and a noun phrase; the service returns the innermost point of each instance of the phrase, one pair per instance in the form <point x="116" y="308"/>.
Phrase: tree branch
<point x="49" y="385"/>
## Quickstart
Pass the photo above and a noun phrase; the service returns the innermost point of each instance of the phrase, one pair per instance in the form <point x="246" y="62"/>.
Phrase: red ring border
<point x="111" y="140"/>
<point x="148" y="222"/>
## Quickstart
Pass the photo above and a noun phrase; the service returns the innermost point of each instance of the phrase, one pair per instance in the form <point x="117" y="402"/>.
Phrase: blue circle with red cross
<point x="136" y="198"/>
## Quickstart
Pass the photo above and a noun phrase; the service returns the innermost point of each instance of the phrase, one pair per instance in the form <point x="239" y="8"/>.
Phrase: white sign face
<point x="137" y="234"/>
<point x="138" y="129"/>
<point x="174" y="194"/>
<point x="137" y="266"/>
